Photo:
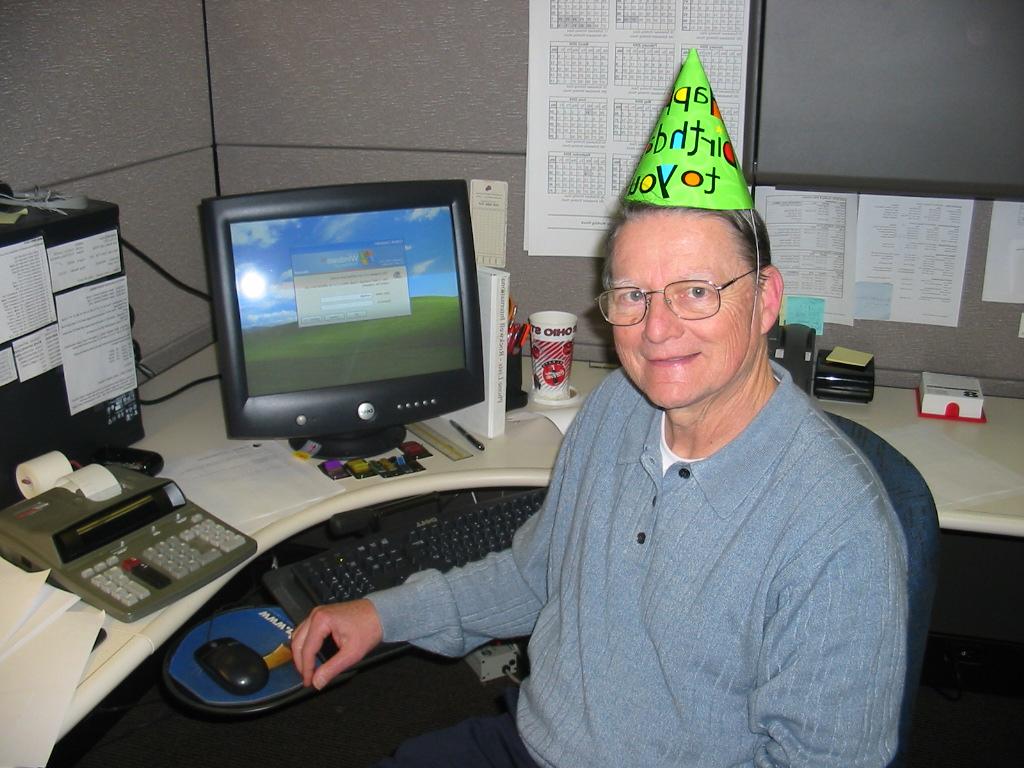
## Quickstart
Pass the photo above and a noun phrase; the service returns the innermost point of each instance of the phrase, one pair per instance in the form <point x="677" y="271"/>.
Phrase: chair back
<point x="915" y="508"/>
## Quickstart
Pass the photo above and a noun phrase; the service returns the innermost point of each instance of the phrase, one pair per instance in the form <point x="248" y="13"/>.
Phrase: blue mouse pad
<point x="266" y="633"/>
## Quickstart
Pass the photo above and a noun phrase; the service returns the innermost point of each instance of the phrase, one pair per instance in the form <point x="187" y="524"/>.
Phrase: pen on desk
<point x="472" y="440"/>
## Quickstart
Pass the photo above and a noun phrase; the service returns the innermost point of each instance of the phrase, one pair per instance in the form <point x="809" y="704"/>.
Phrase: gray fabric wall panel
<point x="441" y="75"/>
<point x="538" y="283"/>
<point x="985" y="343"/>
<point x="162" y="220"/>
<point x="110" y="99"/>
<point x="91" y="85"/>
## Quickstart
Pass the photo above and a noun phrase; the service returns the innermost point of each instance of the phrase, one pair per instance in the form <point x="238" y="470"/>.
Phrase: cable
<point x="509" y="671"/>
<point x="179" y="390"/>
<point x="164" y="273"/>
<point x="43" y="199"/>
<point x="142" y="367"/>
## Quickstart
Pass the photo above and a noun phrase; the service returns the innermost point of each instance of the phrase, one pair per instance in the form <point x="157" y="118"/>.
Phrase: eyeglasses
<point x="687" y="299"/>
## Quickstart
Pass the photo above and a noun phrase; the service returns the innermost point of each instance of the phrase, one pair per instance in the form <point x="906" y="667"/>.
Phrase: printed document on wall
<point x="1004" y="265"/>
<point x="911" y="257"/>
<point x="26" y="298"/>
<point x="600" y="72"/>
<point x="96" y="343"/>
<point x="813" y="237"/>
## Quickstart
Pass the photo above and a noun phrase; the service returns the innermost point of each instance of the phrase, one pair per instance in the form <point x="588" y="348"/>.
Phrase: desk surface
<point x="975" y="471"/>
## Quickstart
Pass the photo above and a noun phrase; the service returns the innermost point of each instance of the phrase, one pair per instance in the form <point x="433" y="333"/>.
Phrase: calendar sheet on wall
<point x="600" y="72"/>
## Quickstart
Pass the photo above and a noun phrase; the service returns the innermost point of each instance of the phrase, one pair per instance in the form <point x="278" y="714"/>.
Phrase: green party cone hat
<point x="690" y="160"/>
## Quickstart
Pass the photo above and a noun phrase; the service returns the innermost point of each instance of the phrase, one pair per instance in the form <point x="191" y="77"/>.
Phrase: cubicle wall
<point x="915" y="97"/>
<point x="110" y="99"/>
<point x="389" y="91"/>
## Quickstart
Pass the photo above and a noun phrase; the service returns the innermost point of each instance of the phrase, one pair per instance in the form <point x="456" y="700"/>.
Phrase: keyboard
<point x="412" y="539"/>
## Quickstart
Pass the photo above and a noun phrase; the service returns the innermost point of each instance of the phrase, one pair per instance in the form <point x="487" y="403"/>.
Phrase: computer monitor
<point x="344" y="312"/>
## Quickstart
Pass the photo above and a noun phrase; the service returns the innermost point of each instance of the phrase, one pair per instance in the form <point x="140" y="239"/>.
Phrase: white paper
<point x="38" y="352"/>
<point x="488" y="206"/>
<point x="49" y="605"/>
<point x="26" y="300"/>
<point x="599" y="75"/>
<point x="813" y="238"/>
<point x="911" y="257"/>
<point x="272" y="481"/>
<point x="37" y="683"/>
<point x="8" y="372"/>
<point x="96" y="343"/>
<point x="21" y="591"/>
<point x="942" y="459"/>
<point x="561" y="417"/>
<point x="1004" y="264"/>
<point x="84" y="260"/>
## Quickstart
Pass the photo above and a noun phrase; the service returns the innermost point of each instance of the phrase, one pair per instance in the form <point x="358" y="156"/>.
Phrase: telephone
<point x="793" y="346"/>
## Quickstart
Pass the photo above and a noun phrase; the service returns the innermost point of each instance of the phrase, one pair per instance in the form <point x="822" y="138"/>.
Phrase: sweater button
<point x="684" y="472"/>
<point x="641" y="537"/>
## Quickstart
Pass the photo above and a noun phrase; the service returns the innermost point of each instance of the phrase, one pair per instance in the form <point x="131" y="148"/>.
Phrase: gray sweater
<point x="747" y="609"/>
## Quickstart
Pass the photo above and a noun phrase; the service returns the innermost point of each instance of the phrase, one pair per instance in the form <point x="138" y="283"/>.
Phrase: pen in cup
<point x="472" y="440"/>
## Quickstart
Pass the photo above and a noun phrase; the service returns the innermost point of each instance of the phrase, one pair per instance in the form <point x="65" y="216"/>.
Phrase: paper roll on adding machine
<point x="124" y="541"/>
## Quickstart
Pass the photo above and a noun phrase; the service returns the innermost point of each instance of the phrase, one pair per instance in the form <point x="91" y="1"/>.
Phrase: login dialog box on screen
<point x="350" y="281"/>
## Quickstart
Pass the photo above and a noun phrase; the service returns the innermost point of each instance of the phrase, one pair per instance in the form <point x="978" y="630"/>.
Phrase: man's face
<point x="682" y="363"/>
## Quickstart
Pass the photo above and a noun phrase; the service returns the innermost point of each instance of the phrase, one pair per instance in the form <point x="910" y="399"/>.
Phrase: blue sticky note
<point x="873" y="301"/>
<point x="806" y="310"/>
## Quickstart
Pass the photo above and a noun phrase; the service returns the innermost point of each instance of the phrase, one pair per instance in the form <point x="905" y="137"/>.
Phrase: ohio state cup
<point x="551" y="339"/>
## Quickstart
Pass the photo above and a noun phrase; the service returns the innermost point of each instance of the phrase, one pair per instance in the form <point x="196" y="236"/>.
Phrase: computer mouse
<point x="233" y="665"/>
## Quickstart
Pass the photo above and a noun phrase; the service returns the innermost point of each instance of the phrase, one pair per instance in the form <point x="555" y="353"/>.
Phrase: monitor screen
<point x="343" y="313"/>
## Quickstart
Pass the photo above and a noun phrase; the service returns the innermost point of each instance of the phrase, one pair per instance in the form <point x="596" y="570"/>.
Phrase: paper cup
<point x="551" y="339"/>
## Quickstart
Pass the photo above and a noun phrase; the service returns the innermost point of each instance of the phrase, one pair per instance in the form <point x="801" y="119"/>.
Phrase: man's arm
<point x="832" y="664"/>
<point x="452" y="613"/>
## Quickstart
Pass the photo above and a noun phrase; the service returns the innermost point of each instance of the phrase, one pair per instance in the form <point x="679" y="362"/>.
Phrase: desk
<point x="976" y="472"/>
<point x="193" y="423"/>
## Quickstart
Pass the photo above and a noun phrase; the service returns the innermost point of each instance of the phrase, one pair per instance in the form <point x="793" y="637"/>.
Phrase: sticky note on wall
<point x="805" y="310"/>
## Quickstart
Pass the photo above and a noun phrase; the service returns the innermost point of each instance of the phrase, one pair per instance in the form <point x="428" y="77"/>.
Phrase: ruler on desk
<point x="439" y="441"/>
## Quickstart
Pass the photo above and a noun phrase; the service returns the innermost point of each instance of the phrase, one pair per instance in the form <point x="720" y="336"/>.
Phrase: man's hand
<point x="354" y="627"/>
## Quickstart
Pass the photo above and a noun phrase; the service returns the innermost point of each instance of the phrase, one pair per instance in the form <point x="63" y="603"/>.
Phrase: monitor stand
<point x="353" y="444"/>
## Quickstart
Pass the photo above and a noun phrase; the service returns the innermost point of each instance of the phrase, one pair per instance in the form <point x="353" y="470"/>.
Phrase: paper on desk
<point x="251" y="485"/>
<point x="20" y="591"/>
<point x="49" y="605"/>
<point x="941" y="459"/>
<point x="560" y="417"/>
<point x="37" y="682"/>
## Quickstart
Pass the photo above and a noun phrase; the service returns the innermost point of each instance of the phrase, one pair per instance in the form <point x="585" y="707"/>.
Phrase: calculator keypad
<point x="172" y="556"/>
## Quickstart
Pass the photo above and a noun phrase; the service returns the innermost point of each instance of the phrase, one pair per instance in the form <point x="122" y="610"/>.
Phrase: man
<point x="716" y="577"/>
